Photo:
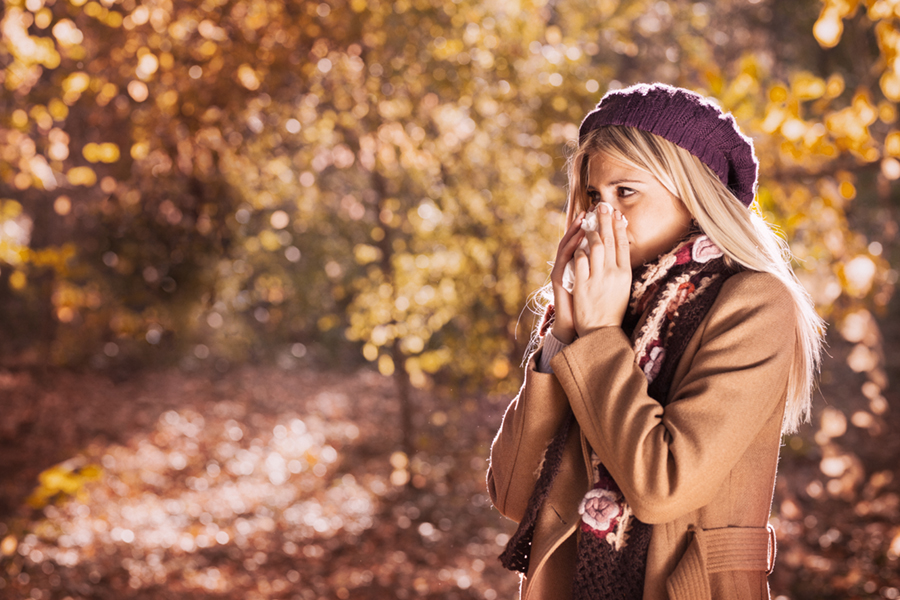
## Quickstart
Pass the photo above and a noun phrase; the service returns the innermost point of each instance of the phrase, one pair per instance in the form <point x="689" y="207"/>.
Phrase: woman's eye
<point x="624" y="192"/>
<point x="593" y="197"/>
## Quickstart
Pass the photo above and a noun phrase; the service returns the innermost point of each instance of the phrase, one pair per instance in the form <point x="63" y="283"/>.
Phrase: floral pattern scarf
<point x="675" y="293"/>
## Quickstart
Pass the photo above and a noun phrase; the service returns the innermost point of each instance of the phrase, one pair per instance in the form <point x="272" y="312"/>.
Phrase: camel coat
<point x="701" y="470"/>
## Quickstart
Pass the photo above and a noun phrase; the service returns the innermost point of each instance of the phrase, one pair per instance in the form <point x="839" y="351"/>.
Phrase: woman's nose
<point x="613" y="203"/>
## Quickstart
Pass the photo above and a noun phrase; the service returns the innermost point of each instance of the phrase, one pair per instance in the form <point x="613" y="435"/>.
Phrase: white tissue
<point x="589" y="223"/>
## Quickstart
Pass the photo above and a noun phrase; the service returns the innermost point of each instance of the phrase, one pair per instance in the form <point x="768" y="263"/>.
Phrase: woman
<point x="639" y="457"/>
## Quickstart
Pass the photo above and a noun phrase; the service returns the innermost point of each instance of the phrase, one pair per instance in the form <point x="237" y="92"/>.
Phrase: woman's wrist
<point x="586" y="331"/>
<point x="565" y="334"/>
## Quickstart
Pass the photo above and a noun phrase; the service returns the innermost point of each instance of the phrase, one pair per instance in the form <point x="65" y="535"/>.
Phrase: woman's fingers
<point x="574" y="228"/>
<point x="573" y="243"/>
<point x="583" y="263"/>
<point x="565" y="253"/>
<point x="566" y="248"/>
<point x="602" y="274"/>
<point x="570" y="240"/>
<point x="623" y="251"/>
<point x="614" y="237"/>
<point x="596" y="250"/>
<point x="606" y="233"/>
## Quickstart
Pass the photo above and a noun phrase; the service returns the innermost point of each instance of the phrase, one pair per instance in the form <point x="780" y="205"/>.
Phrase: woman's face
<point x="657" y="220"/>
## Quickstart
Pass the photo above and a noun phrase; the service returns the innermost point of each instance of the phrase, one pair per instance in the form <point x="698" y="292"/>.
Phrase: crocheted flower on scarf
<point x="704" y="250"/>
<point x="684" y="291"/>
<point x="655" y="358"/>
<point x="599" y="510"/>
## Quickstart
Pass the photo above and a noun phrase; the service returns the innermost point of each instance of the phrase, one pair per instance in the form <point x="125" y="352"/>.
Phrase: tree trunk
<point x="401" y="380"/>
<point x="401" y="377"/>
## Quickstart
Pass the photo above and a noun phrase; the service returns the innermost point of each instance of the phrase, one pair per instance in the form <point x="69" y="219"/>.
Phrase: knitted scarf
<point x="675" y="292"/>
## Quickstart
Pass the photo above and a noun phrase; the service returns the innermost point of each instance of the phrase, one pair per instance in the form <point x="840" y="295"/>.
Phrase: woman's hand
<point x="602" y="275"/>
<point x="564" y="321"/>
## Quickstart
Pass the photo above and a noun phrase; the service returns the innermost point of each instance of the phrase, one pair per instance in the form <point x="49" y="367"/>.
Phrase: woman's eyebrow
<point x="616" y="182"/>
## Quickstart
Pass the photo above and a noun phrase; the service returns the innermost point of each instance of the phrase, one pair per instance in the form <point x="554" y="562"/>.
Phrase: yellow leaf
<point x="269" y="240"/>
<point x="500" y="368"/>
<point x="138" y="90"/>
<point x="835" y="86"/>
<point x="10" y="209"/>
<point x="114" y="19"/>
<point x="167" y="100"/>
<point x="328" y="322"/>
<point x="8" y="545"/>
<point x="892" y="143"/>
<point x="67" y="33"/>
<point x="82" y="176"/>
<point x="778" y="93"/>
<point x="890" y="85"/>
<point x="18" y="281"/>
<point x="63" y="481"/>
<point x="432" y="361"/>
<point x="19" y="118"/>
<point x="829" y="28"/>
<point x="148" y="64"/>
<point x="248" y="77"/>
<point x="864" y="108"/>
<point x="365" y="254"/>
<point x="140" y="150"/>
<point x="385" y="365"/>
<point x="75" y="84"/>
<point x="413" y="344"/>
<point x="107" y="153"/>
<point x="91" y="472"/>
<point x="807" y="86"/>
<point x="59" y="479"/>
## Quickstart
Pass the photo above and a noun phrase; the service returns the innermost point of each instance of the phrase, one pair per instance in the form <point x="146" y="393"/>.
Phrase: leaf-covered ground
<point x="262" y="484"/>
<point x="265" y="483"/>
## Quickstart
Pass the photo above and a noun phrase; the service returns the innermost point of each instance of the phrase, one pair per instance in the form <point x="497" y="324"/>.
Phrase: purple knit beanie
<point x="687" y="120"/>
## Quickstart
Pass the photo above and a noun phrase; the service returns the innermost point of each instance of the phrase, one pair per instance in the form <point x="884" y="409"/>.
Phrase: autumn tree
<point x="324" y="183"/>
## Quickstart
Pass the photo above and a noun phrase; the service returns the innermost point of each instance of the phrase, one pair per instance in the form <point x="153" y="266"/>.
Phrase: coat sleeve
<point x="670" y="461"/>
<point x="530" y="422"/>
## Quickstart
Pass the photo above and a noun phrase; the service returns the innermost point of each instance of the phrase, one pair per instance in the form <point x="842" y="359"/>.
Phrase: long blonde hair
<point x="743" y="235"/>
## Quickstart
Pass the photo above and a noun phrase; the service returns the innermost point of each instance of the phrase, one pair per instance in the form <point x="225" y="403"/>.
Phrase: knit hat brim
<point x="688" y="120"/>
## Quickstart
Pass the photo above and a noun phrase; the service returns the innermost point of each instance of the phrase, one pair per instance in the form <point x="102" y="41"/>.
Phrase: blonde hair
<point x="743" y="235"/>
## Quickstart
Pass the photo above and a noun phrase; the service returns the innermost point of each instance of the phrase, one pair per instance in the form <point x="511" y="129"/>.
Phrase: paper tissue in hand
<point x="589" y="223"/>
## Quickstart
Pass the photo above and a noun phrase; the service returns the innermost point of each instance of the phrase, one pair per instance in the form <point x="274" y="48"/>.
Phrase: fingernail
<point x="618" y="216"/>
<point x="604" y="207"/>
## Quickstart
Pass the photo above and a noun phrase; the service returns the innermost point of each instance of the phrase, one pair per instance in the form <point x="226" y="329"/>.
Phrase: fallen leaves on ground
<point x="263" y="484"/>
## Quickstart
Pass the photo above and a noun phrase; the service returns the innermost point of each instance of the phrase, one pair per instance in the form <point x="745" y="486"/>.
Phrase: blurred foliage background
<point x="321" y="186"/>
<point x="217" y="182"/>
